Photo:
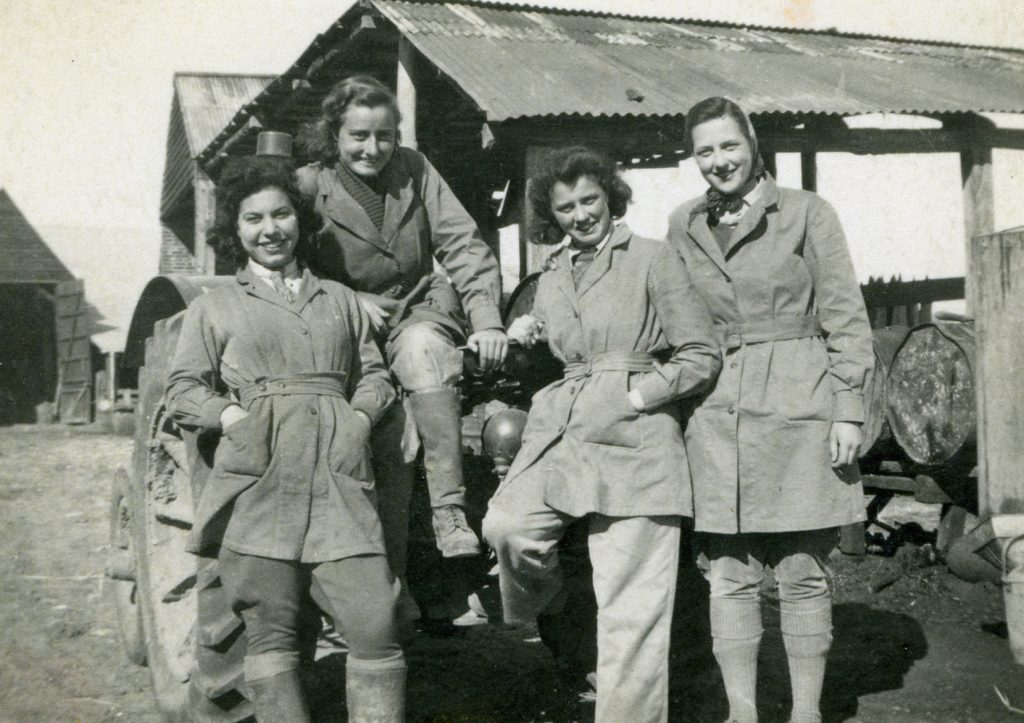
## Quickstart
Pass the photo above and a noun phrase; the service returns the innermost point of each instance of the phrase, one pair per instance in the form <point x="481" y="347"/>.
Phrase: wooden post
<point x="809" y="170"/>
<point x="405" y="90"/>
<point x="206" y="259"/>
<point x="996" y="288"/>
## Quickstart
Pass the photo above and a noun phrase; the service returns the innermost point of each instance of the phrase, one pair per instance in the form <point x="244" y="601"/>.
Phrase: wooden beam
<point x="809" y="171"/>
<point x="205" y="198"/>
<point x="405" y="90"/>
<point x="996" y="281"/>
<point x="978" y="190"/>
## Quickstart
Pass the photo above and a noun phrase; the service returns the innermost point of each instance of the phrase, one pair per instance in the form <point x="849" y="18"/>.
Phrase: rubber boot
<point x="438" y="416"/>
<point x="375" y="689"/>
<point x="279" y="699"/>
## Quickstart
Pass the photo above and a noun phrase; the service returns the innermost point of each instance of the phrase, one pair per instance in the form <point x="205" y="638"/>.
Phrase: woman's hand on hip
<point x="526" y="331"/>
<point x="491" y="346"/>
<point x="844" y="441"/>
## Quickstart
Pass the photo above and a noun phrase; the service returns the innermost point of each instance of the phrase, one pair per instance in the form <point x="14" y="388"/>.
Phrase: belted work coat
<point x="797" y="353"/>
<point x="423" y="220"/>
<point x="634" y="322"/>
<point x="292" y="480"/>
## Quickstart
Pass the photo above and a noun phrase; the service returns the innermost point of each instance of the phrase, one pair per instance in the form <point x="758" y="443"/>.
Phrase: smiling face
<point x="268" y="227"/>
<point x="367" y="139"/>
<point x="724" y="155"/>
<point x="581" y="210"/>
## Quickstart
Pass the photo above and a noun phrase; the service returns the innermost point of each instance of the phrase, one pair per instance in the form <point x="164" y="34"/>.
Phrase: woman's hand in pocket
<point x="232" y="414"/>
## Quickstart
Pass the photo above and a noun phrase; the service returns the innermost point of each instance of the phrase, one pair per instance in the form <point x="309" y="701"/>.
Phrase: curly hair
<point x="320" y="139"/>
<point x="568" y="165"/>
<point x="241" y="178"/>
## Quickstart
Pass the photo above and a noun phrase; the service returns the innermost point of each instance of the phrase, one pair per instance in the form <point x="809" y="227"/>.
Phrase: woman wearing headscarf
<point x="773" y="448"/>
<point x="605" y="441"/>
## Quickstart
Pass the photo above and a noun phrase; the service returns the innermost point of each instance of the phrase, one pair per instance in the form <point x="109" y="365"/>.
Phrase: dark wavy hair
<point x="568" y="165"/>
<point x="241" y="178"/>
<point x="718" y="107"/>
<point x="320" y="139"/>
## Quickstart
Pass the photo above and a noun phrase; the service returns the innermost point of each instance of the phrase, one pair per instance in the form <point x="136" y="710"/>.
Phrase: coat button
<point x="313" y="411"/>
<point x="263" y="387"/>
<point x="734" y="365"/>
<point x="305" y="332"/>
<point x="732" y="410"/>
<point x="281" y="385"/>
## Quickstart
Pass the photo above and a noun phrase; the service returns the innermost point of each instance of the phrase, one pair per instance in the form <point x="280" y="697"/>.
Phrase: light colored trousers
<point x="635" y="561"/>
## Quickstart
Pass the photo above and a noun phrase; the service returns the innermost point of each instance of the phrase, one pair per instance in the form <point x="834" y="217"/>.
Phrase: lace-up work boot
<point x="438" y="417"/>
<point x="454" y="536"/>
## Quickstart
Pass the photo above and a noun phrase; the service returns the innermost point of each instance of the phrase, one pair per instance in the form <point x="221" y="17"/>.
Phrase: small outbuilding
<point x="45" y="325"/>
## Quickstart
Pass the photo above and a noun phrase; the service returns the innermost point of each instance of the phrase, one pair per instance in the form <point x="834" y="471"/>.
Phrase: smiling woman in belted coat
<point x="773" y="448"/>
<point x="283" y="366"/>
<point x="605" y="441"/>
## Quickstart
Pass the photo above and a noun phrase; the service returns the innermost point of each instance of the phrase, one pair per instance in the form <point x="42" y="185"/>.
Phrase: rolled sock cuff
<point x="735" y="619"/>
<point x="376" y="665"/>
<point x="806" y="617"/>
<point x="267" y="665"/>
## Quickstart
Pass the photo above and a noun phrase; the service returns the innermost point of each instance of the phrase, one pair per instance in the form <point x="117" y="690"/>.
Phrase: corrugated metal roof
<point x="24" y="256"/>
<point x="203" y="104"/>
<point x="519" y="62"/>
<point x="209" y="101"/>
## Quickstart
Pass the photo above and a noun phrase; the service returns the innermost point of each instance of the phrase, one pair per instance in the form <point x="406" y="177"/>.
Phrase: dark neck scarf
<point x="368" y="193"/>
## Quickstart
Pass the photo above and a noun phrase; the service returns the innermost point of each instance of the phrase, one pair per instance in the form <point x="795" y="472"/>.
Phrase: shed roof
<point x="203" y="104"/>
<point x="24" y="256"/>
<point x="525" y="61"/>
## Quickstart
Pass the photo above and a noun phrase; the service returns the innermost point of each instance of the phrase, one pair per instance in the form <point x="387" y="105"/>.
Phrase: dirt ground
<point x="925" y="647"/>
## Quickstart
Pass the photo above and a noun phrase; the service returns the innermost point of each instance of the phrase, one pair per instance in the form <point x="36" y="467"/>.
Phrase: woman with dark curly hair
<point x="605" y="441"/>
<point x="284" y="368"/>
<point x="387" y="215"/>
<point x="774" y="446"/>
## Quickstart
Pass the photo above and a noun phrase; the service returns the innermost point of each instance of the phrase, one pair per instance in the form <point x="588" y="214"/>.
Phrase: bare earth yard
<point x="927" y="647"/>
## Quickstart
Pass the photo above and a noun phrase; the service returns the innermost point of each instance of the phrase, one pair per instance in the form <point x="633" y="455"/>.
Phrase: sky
<point x="86" y="89"/>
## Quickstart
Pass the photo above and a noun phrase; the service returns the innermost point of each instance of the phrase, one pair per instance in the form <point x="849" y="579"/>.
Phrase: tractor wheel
<point x="195" y="644"/>
<point x="121" y="587"/>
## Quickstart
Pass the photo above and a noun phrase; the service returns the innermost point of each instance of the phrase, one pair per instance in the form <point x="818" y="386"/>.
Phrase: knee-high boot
<point x="438" y="416"/>
<point x="375" y="689"/>
<point x="279" y="698"/>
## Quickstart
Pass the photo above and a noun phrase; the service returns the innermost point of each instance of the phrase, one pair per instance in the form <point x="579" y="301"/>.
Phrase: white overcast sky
<point x="85" y="90"/>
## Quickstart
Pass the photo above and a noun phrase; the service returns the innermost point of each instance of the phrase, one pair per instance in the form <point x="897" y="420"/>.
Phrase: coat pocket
<point x="603" y="415"/>
<point x="244" y="447"/>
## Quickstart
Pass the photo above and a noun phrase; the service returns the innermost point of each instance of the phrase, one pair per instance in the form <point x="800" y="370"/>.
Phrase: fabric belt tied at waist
<point x="731" y="336"/>
<point x="613" y="361"/>
<point x="329" y="385"/>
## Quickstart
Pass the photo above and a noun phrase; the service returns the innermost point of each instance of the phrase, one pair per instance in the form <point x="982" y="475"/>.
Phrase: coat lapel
<point x="345" y="211"/>
<point x="700" y="232"/>
<point x="310" y="288"/>
<point x="752" y="218"/>
<point x="561" y="268"/>
<point x="398" y="200"/>
<point x="603" y="261"/>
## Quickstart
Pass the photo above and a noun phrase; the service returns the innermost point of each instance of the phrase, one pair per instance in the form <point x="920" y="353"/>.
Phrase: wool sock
<point x="736" y="637"/>
<point x="807" y="634"/>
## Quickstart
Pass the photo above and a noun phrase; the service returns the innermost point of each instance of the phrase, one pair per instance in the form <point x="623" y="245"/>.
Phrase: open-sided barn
<point x="485" y="88"/>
